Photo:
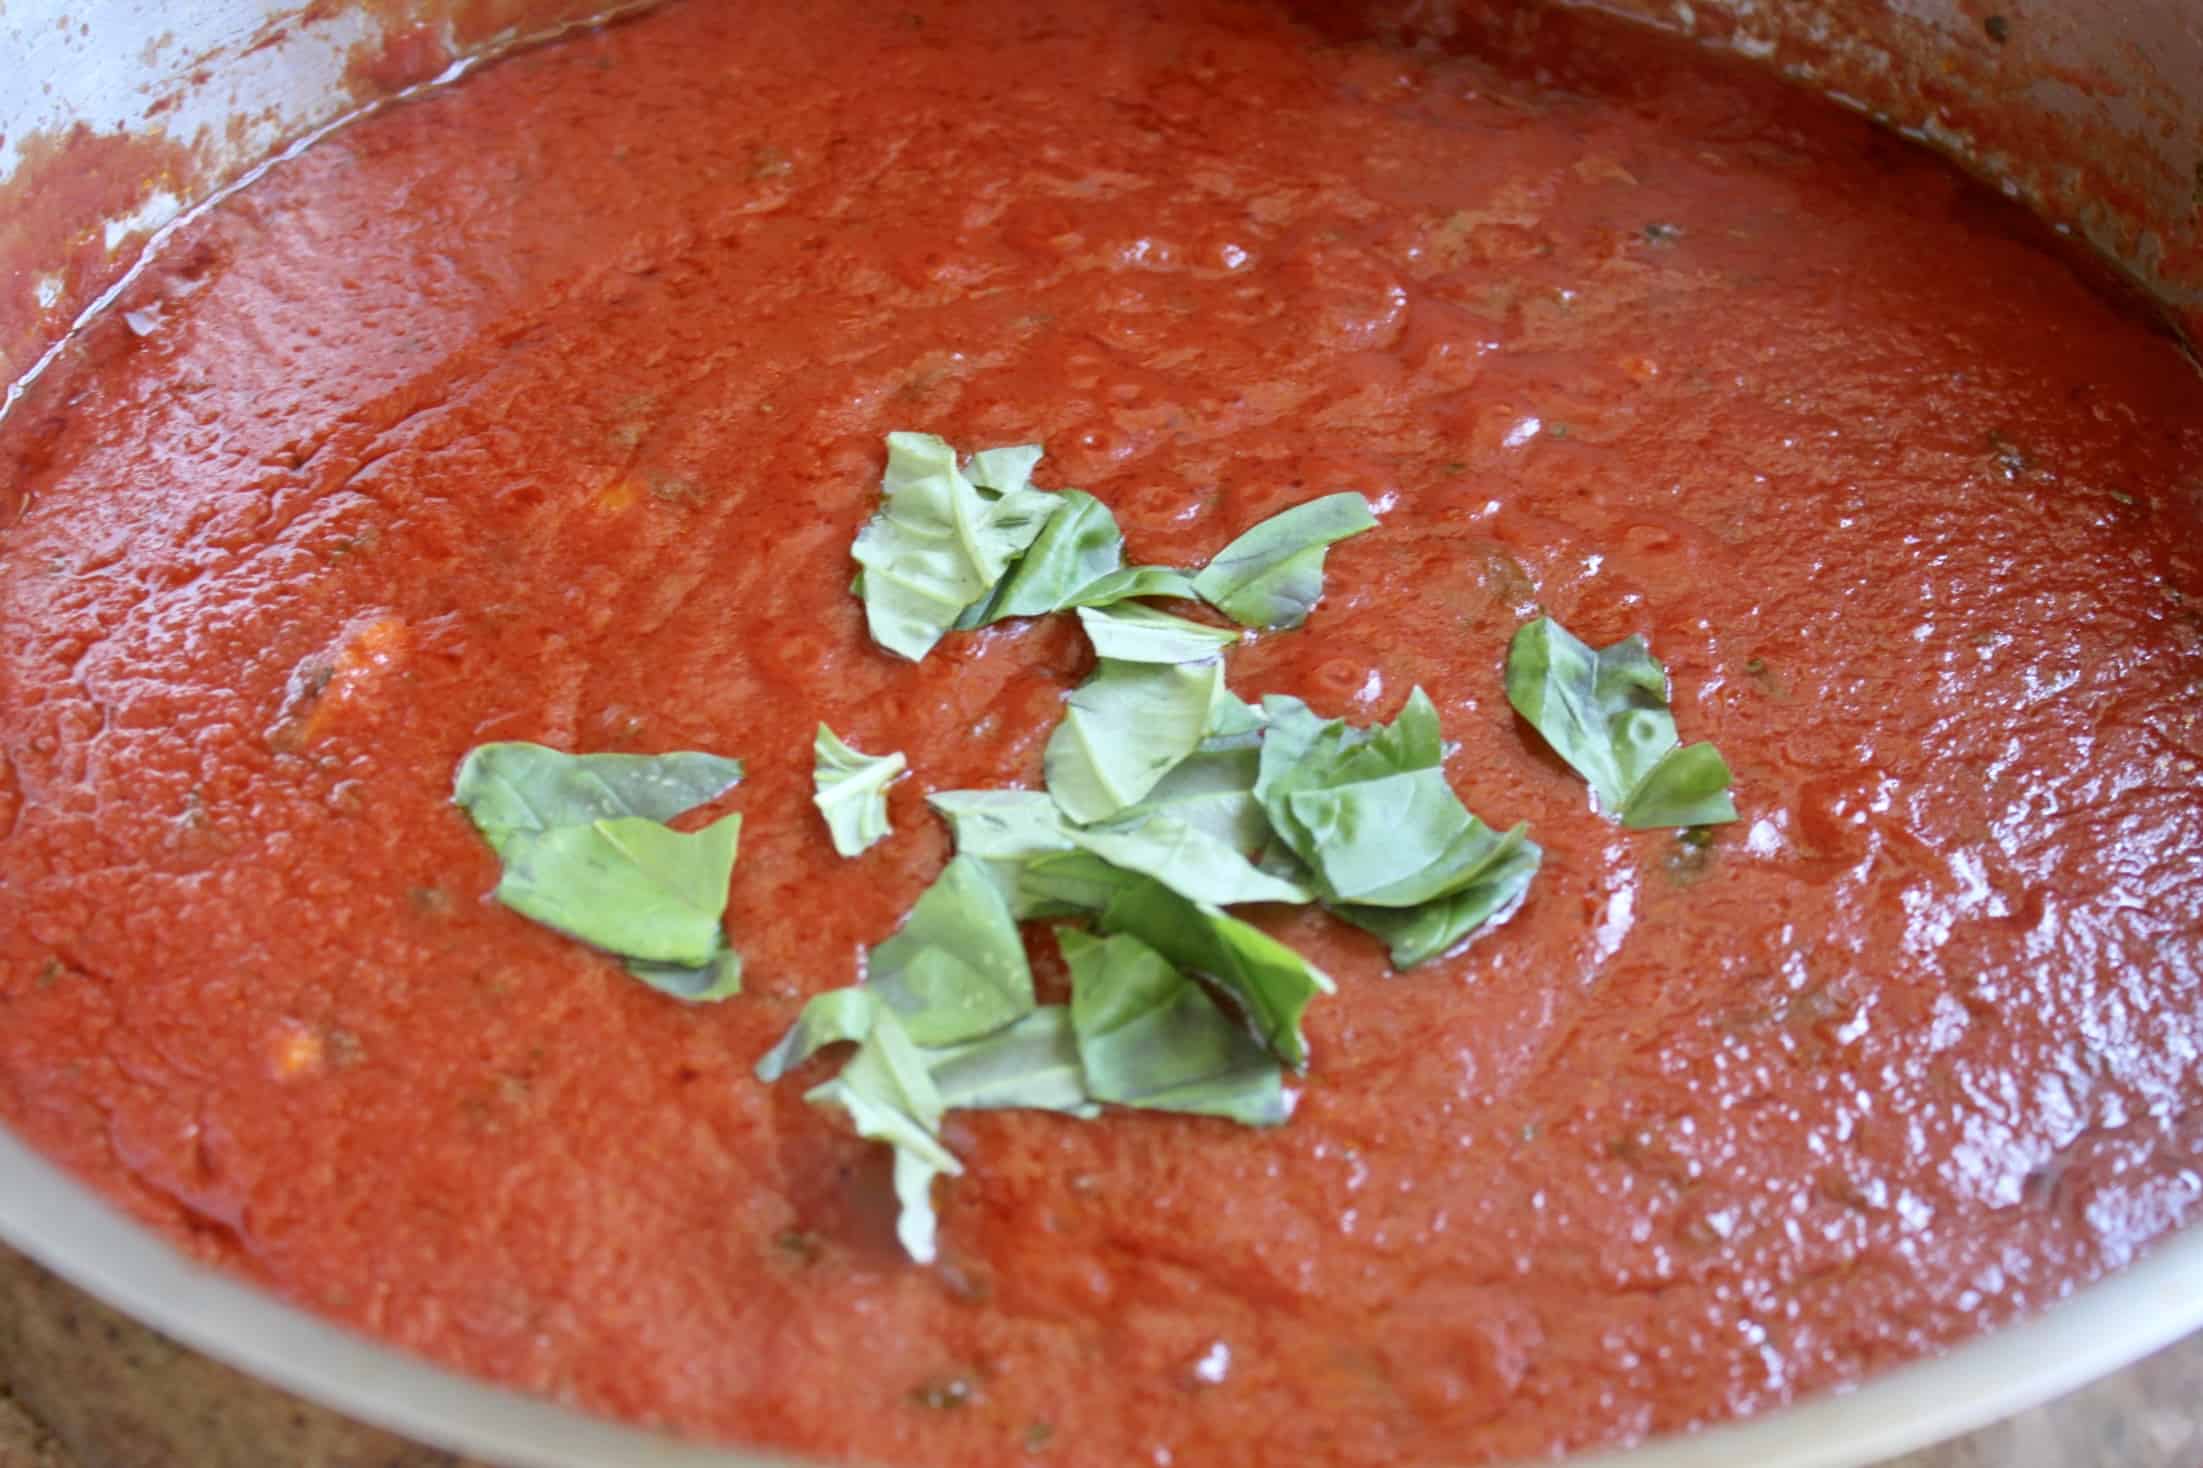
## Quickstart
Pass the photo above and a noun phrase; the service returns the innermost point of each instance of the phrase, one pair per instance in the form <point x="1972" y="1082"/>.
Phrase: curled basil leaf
<point x="940" y="542"/>
<point x="1606" y="712"/>
<point x="1147" y="1036"/>
<point x="515" y="786"/>
<point x="1212" y="790"/>
<point x="832" y="1018"/>
<point x="1272" y="576"/>
<point x="1124" y="729"/>
<point x="894" y="1090"/>
<point x="852" y="791"/>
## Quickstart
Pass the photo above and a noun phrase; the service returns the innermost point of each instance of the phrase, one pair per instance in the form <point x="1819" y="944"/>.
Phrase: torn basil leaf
<point x="956" y="968"/>
<point x="515" y="786"/>
<point x="1212" y="790"/>
<point x="1006" y="471"/>
<point x="1370" y="816"/>
<point x="718" y="977"/>
<point x="832" y="1018"/>
<point x="894" y="1090"/>
<point x="889" y="1096"/>
<point x="1032" y="1064"/>
<point x="1002" y="830"/>
<point x="1124" y="729"/>
<point x="852" y="790"/>
<point x="1148" y="1036"/>
<point x="1067" y="882"/>
<point x="1487" y="897"/>
<point x="1271" y="983"/>
<point x="940" y="542"/>
<point x="629" y="885"/>
<point x="1132" y="581"/>
<point x="1077" y="561"/>
<point x="584" y="849"/>
<point x="1131" y="633"/>
<point x="1189" y="859"/>
<point x="1605" y="711"/>
<point x="1234" y="723"/>
<point x="1272" y="576"/>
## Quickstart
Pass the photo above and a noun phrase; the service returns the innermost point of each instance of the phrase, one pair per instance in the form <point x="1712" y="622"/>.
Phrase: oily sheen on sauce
<point x="544" y="407"/>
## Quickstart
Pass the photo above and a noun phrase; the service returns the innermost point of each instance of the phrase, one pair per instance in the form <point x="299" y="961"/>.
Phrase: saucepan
<point x="116" y="116"/>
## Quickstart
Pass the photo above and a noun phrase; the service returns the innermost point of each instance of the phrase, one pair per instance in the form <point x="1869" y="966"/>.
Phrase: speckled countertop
<point x="107" y="1393"/>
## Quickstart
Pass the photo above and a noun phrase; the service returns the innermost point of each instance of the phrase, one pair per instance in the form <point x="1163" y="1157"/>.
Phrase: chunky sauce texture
<point x="545" y="407"/>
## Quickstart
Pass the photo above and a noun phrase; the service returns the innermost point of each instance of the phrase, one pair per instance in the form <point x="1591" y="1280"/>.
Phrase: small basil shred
<point x="1272" y="576"/>
<point x="852" y="791"/>
<point x="585" y="850"/>
<point x="1606" y="712"/>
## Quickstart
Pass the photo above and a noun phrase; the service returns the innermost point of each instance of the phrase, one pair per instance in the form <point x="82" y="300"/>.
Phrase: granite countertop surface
<point x="84" y="1387"/>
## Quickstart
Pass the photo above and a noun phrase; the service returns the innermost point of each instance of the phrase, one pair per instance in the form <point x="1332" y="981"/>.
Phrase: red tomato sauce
<point x="545" y="407"/>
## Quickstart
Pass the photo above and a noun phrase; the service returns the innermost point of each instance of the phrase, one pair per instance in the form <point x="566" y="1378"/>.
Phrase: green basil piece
<point x="1605" y="711"/>
<point x="889" y="1096"/>
<point x="957" y="967"/>
<point x="832" y="1018"/>
<point x="1272" y="576"/>
<point x="1006" y="471"/>
<point x="1370" y="812"/>
<point x="1077" y="561"/>
<point x="940" y="542"/>
<point x="718" y="977"/>
<point x="1131" y="633"/>
<point x="1067" y="882"/>
<point x="1032" y="1064"/>
<point x="1271" y="983"/>
<point x="516" y="786"/>
<point x="629" y="885"/>
<point x="1489" y="896"/>
<point x="852" y="791"/>
<point x="896" y="1091"/>
<point x="1369" y="815"/>
<point x="1189" y="859"/>
<point x="1079" y="544"/>
<point x="1002" y="830"/>
<point x="1131" y="581"/>
<point x="1233" y="723"/>
<point x="1124" y="729"/>
<point x="1147" y="1036"/>
<point x="1212" y="790"/>
<point x="1689" y="787"/>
